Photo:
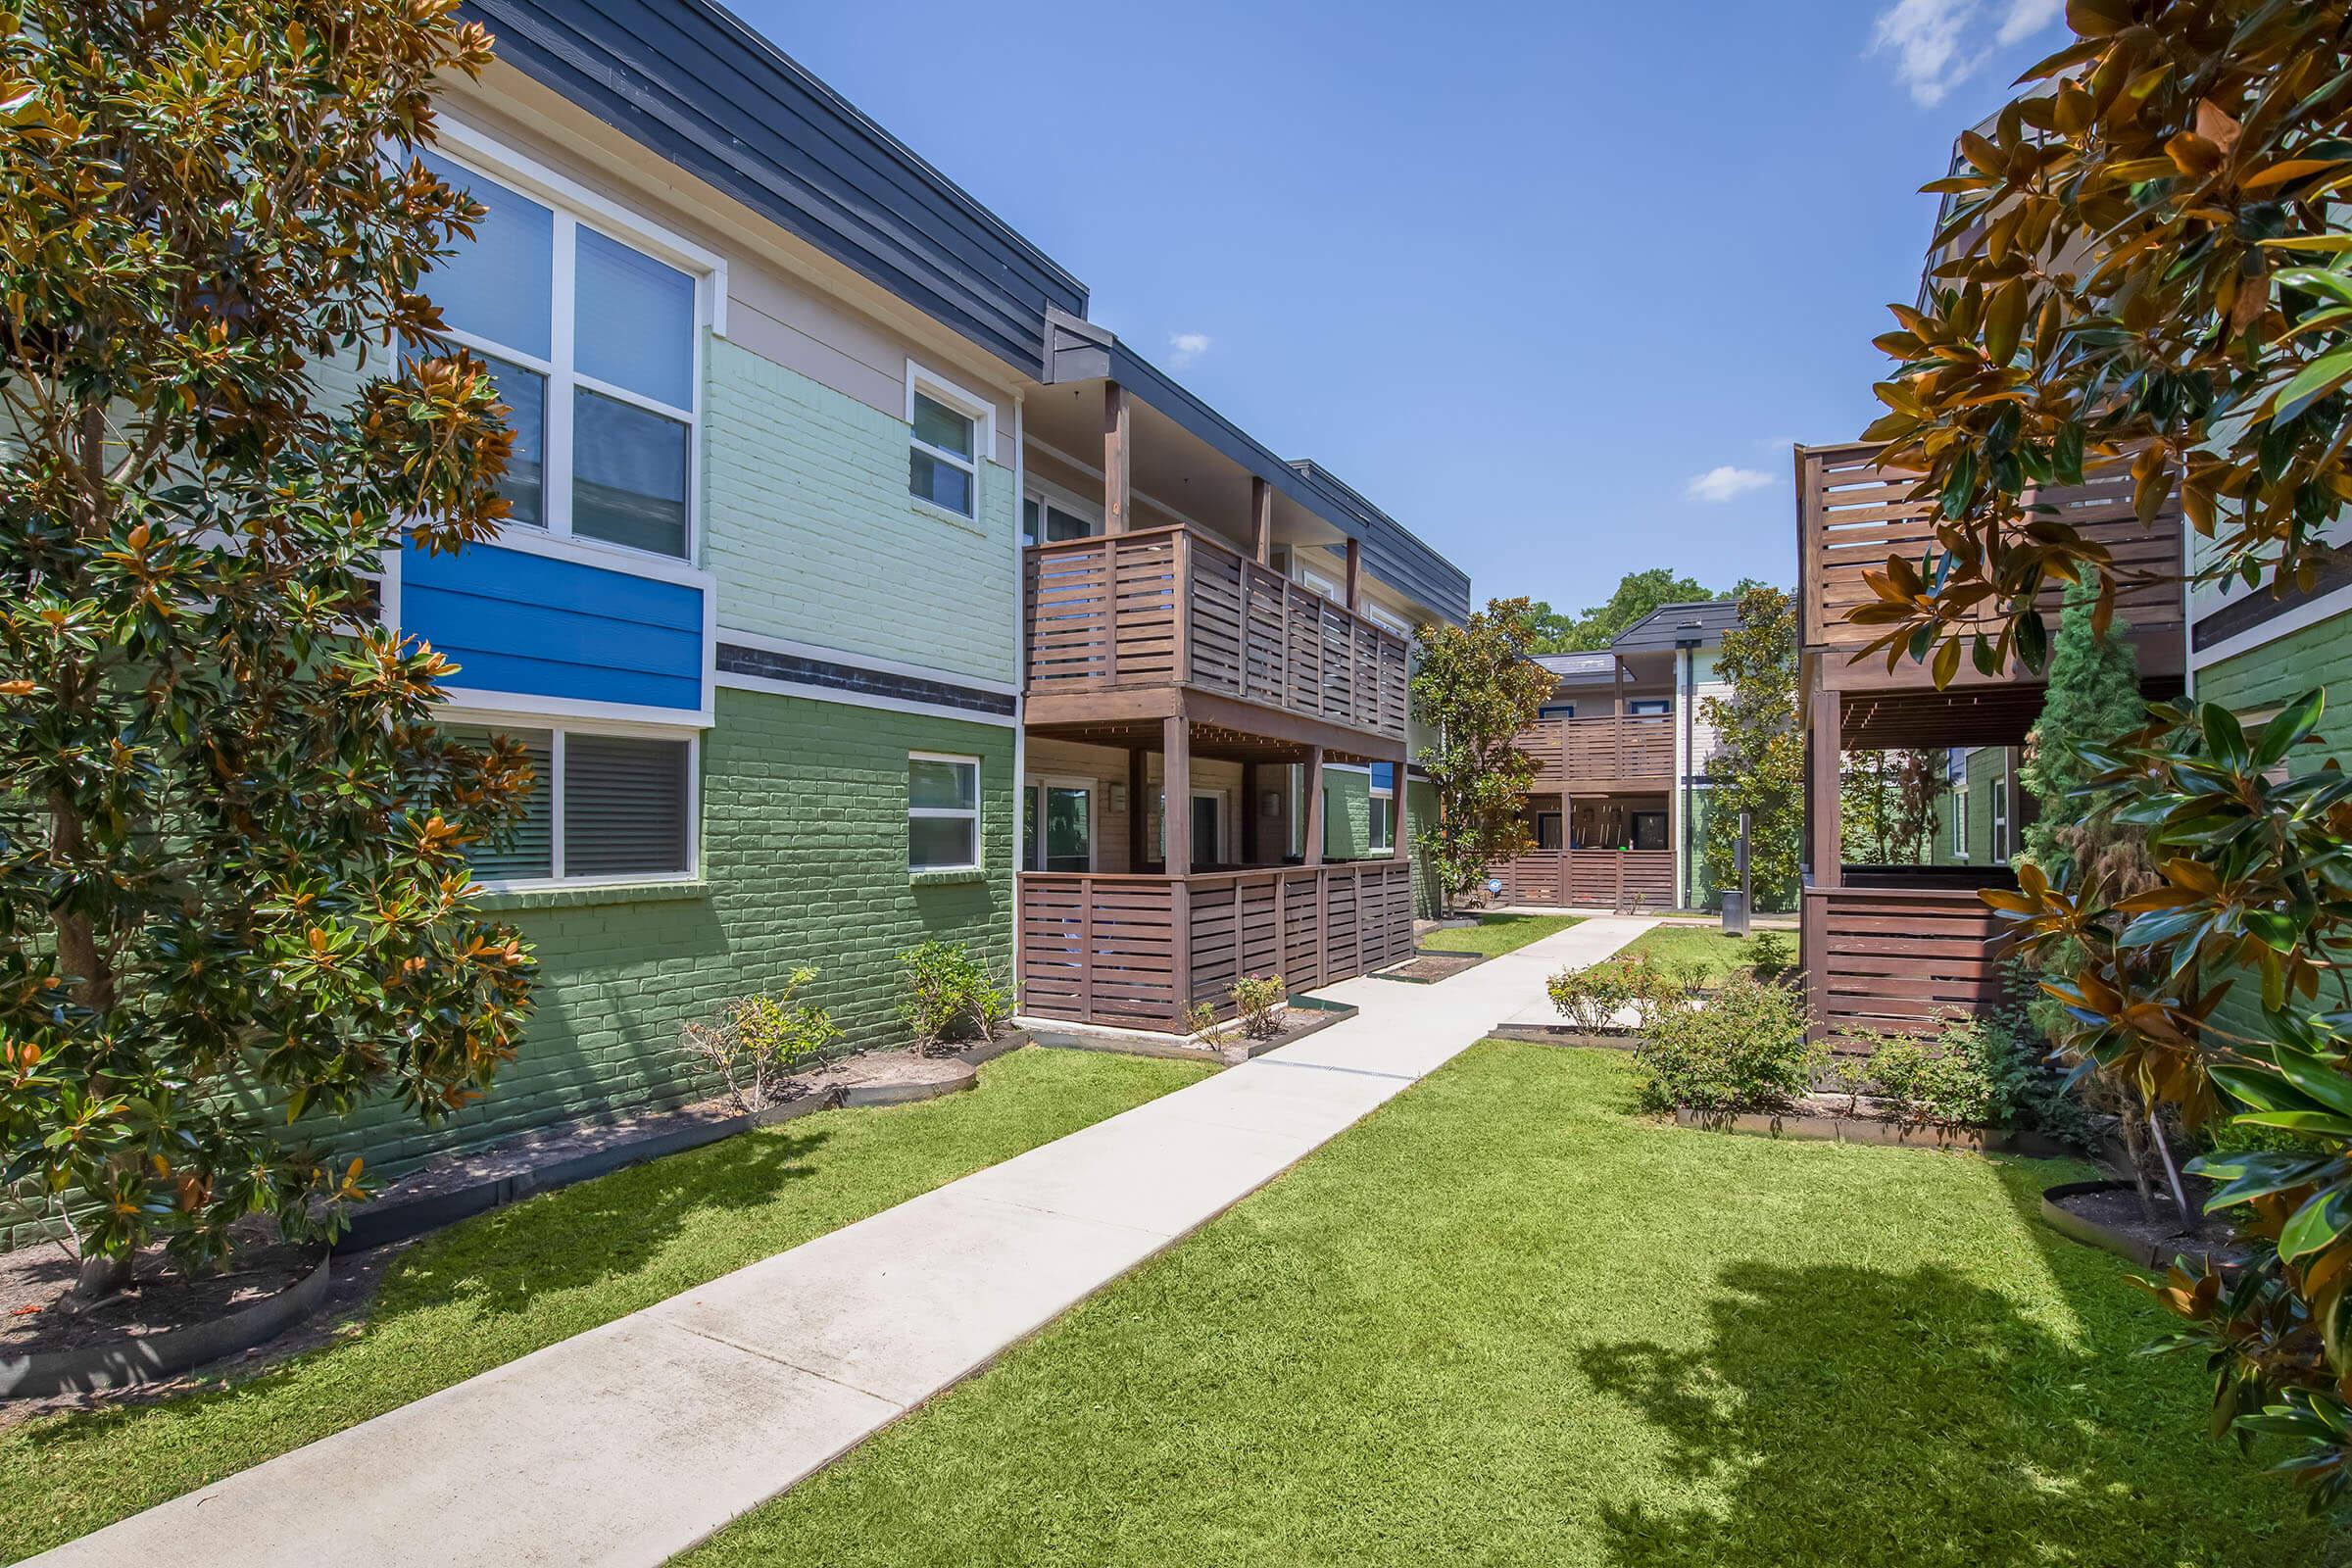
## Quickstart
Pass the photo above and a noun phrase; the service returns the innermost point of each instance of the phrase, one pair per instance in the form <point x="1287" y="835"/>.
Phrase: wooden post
<point x="1249" y="821"/>
<point x="1355" y="571"/>
<point x="1312" y="841"/>
<point x="1617" y="725"/>
<point x="1398" y="848"/>
<point x="1117" y="502"/>
<point x="1176" y="795"/>
<point x="1136" y="806"/>
<point x="1826" y="742"/>
<point x="1261" y="520"/>
<point x="1567" y="849"/>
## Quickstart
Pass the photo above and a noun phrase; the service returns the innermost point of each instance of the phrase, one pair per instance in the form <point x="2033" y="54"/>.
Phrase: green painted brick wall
<point x="804" y="861"/>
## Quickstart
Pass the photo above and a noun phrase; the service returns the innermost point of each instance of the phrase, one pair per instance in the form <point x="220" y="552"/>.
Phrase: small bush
<point x="757" y="1044"/>
<point x="1744" y="1049"/>
<point x="1591" y="998"/>
<point x="1771" y="954"/>
<point x="1257" y="996"/>
<point x="950" y="996"/>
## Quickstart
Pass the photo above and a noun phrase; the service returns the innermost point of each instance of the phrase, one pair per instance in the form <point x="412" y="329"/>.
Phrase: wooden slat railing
<point x="1852" y="515"/>
<point x="1624" y="880"/>
<point x="1896" y="960"/>
<point x="1108" y="949"/>
<point x="1601" y="751"/>
<point x="1106" y="612"/>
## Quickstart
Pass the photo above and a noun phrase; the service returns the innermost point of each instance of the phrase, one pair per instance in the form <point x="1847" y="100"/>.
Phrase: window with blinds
<point x="601" y="807"/>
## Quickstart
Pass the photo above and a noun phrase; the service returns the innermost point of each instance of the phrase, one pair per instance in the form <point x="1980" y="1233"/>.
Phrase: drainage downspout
<point x="1020" y="678"/>
<point x="1687" y="882"/>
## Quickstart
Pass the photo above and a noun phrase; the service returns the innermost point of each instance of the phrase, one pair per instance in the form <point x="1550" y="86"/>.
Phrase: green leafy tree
<point x="2145" y="270"/>
<point x="1477" y="688"/>
<point x="232" y="873"/>
<point x="1759" y="766"/>
<point x="1887" y="804"/>
<point x="1638" y="594"/>
<point x="2092" y="700"/>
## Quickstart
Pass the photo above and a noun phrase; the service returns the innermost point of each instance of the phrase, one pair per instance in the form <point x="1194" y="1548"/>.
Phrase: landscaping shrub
<point x="1942" y="1083"/>
<point x="950" y="996"/>
<point x="756" y="1044"/>
<point x="1742" y="1049"/>
<point x="1201" y="1022"/>
<point x="1591" y="998"/>
<point x="1257" y="996"/>
<point x="1771" y="954"/>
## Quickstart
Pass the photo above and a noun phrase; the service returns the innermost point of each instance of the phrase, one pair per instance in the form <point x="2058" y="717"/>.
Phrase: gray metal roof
<point x="1578" y="665"/>
<point x="1702" y="622"/>
<point x="692" y="83"/>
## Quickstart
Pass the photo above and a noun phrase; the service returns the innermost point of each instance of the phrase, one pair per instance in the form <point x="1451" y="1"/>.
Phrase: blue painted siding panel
<point x="517" y="622"/>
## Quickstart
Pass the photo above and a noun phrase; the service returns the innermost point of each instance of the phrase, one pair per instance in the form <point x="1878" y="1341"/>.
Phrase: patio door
<point x="1059" y="819"/>
<point x="1208" y="827"/>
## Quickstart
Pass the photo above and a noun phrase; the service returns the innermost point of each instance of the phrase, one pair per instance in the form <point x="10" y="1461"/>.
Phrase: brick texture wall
<point x="805" y="856"/>
<point x="814" y="538"/>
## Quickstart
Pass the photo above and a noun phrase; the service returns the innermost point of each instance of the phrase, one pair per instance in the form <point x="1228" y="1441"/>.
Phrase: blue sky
<point x="1526" y="275"/>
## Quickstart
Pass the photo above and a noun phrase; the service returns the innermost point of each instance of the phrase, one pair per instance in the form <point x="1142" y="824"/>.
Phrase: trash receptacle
<point x="1734" y="913"/>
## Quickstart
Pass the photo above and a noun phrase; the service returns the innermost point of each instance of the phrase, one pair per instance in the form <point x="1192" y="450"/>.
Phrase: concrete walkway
<point x="631" y="1442"/>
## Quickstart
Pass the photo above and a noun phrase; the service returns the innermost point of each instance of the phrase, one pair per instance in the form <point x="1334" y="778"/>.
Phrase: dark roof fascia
<point x="1668" y="625"/>
<point x="1394" y="552"/>
<point x="693" y="83"/>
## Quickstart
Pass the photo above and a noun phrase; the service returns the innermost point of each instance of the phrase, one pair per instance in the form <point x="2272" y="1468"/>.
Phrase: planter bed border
<point x="1550" y="1034"/>
<point x="1870" y="1130"/>
<point x="153" y="1358"/>
<point x="640" y="1139"/>
<point x="1057" y="1036"/>
<point x="2132" y="1248"/>
<point x="1469" y="961"/>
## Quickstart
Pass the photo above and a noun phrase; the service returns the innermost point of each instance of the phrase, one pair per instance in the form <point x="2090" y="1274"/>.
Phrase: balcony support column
<point x="1138" y="805"/>
<point x="1824" y="742"/>
<point x="1311" y="786"/>
<point x="1356" y="573"/>
<point x="1117" y="460"/>
<point x="1261" y="520"/>
<point x="1176" y="844"/>
<point x="1399" y="849"/>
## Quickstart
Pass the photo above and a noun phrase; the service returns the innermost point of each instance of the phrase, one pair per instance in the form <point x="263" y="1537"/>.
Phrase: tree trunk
<point x="2190" y="1219"/>
<point x="2136" y="1153"/>
<point x="100" y="1278"/>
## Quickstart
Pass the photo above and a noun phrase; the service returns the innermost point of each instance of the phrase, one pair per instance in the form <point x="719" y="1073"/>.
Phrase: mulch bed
<point x="159" y="1298"/>
<point x="2117" y="1210"/>
<point x="1425" y="968"/>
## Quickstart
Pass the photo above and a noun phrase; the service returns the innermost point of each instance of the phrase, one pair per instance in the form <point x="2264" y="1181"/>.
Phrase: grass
<point x="1498" y="932"/>
<point x="1505" y="1321"/>
<point x="1703" y="951"/>
<point x="491" y="1289"/>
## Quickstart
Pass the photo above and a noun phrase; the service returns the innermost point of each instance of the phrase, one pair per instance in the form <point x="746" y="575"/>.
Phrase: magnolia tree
<point x="232" y="880"/>
<point x="2147" y="271"/>
<point x="1759" y="764"/>
<point x="1476" y="688"/>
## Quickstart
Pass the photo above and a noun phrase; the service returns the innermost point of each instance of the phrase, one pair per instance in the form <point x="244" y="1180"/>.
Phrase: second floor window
<point x="1383" y="836"/>
<point x="591" y="342"/>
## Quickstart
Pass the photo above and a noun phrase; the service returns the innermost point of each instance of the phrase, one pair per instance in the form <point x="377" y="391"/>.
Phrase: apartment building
<point x="814" y="458"/>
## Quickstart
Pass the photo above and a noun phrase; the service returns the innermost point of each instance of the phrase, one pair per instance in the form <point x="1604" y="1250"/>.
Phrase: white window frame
<point x="1044" y="492"/>
<point x="1544" y="713"/>
<point x="2000" y="814"/>
<point x="1960" y="819"/>
<point x="982" y="411"/>
<point x="958" y="812"/>
<point x="1649" y="707"/>
<point x="576" y="207"/>
<point x="1092" y="789"/>
<point x="1314" y="582"/>
<point x="1388" y="620"/>
<point x="1372" y="839"/>
<point x="557" y="728"/>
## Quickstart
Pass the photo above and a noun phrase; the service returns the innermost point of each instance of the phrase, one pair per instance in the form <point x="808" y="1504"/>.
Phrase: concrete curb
<point x="2132" y="1248"/>
<point x="153" y="1357"/>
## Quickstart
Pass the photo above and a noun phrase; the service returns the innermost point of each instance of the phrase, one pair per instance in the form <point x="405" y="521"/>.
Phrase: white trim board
<point x="834" y="694"/>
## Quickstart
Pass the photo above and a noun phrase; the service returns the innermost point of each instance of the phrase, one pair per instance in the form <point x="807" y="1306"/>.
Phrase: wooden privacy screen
<point x="1625" y="880"/>
<point x="1573" y="752"/>
<point x="1106" y="612"/>
<point x="1897" y="960"/>
<point x="1854" y="515"/>
<point x="1105" y="948"/>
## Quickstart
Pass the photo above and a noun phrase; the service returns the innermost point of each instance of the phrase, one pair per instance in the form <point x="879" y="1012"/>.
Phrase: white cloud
<point x="1726" y="483"/>
<point x="1186" y="347"/>
<point x="1937" y="45"/>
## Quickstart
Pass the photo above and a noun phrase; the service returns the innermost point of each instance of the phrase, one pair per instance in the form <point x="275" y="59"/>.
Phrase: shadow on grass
<point x="1826" y="1395"/>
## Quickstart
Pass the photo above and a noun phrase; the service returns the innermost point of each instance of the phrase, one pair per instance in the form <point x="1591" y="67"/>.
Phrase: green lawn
<point x="1703" y="951"/>
<point x="492" y="1289"/>
<point x="1504" y="1321"/>
<point x="1498" y="933"/>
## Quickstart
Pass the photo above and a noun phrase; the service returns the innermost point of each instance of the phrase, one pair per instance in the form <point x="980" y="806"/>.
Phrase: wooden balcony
<point x="1602" y="756"/>
<point x="1625" y="880"/>
<point x="1135" y="952"/>
<point x="1161" y="622"/>
<point x="1852" y="515"/>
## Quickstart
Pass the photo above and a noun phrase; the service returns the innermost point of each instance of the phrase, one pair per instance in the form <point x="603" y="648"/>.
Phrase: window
<point x="1548" y="830"/>
<point x="1059" y="820"/>
<point x="1060" y="522"/>
<point x="1384" y="807"/>
<point x="1649" y="706"/>
<point x="1388" y="620"/>
<point x="943" y="813"/>
<point x="1556" y="710"/>
<point x="949" y="430"/>
<point x="1648" y="830"/>
<point x="1318" y="583"/>
<point x="603" y="807"/>
<point x="2000" y="813"/>
<point x="1960" y="820"/>
<point x="591" y="343"/>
